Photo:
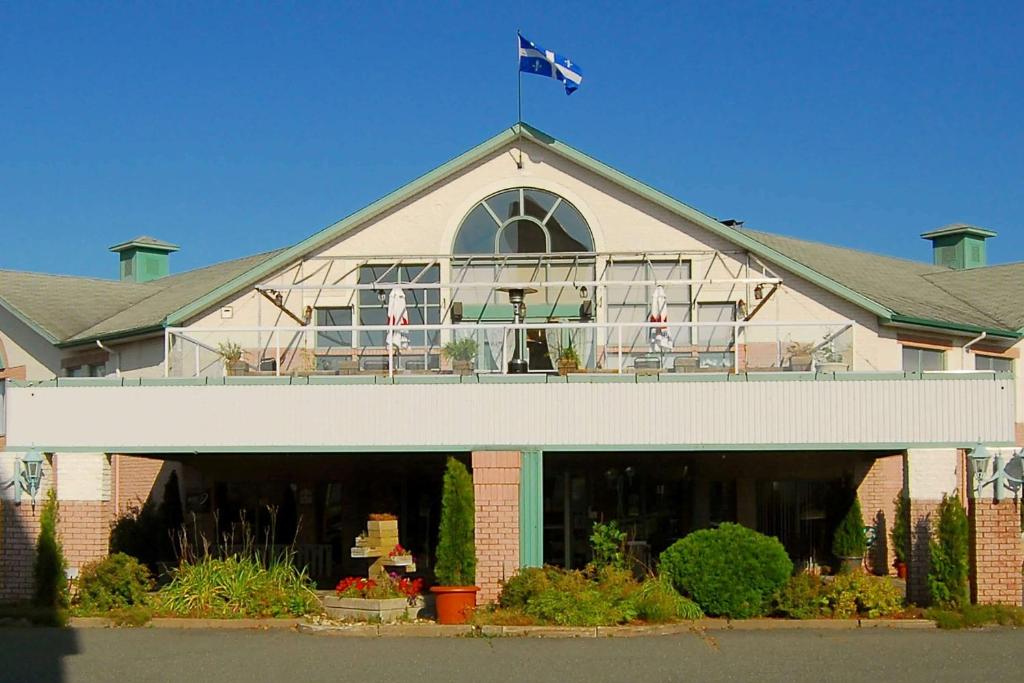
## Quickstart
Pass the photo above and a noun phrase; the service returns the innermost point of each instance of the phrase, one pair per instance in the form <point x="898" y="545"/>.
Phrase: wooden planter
<point x="566" y="367"/>
<point x="462" y="367"/>
<point x="236" y="368"/>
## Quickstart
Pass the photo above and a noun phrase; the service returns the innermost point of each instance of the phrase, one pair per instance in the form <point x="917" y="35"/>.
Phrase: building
<point x="789" y="376"/>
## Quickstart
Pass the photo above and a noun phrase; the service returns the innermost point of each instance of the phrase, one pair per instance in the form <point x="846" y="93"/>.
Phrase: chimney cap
<point x="145" y="242"/>
<point x="958" y="229"/>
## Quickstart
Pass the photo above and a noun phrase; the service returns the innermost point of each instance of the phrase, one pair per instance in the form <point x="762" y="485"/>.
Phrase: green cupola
<point x="959" y="246"/>
<point x="144" y="259"/>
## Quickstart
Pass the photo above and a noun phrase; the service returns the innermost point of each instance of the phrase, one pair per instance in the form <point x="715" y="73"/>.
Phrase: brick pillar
<point x="496" y="490"/>
<point x="83" y="493"/>
<point x="929" y="474"/>
<point x="881" y="480"/>
<point x="996" y="552"/>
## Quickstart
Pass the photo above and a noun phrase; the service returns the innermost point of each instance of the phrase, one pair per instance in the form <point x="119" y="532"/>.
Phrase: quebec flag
<point x="536" y="60"/>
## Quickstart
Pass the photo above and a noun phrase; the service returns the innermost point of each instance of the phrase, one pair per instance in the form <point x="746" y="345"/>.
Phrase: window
<point x="916" y="359"/>
<point x="714" y="313"/>
<point x="523" y="221"/>
<point x="423" y="305"/>
<point x="334" y="317"/>
<point x="996" y="363"/>
<point x="632" y="303"/>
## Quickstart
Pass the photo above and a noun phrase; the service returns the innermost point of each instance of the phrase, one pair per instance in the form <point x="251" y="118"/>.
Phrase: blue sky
<point x="234" y="128"/>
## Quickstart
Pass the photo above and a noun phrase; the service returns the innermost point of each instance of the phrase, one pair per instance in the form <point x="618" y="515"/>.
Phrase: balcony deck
<point x="665" y="411"/>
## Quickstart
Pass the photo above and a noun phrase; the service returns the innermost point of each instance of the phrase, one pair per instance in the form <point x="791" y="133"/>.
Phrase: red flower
<point x="398" y="550"/>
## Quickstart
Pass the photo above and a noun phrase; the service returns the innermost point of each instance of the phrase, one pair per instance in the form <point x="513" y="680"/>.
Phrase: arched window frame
<point x="503" y="224"/>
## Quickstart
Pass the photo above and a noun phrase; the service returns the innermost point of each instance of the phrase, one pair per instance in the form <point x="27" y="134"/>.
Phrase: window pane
<point x="476" y="235"/>
<point x="715" y="336"/>
<point x="372" y="316"/>
<point x="505" y="205"/>
<point x="522" y="237"/>
<point x="569" y="232"/>
<point x="911" y="362"/>
<point x="333" y="317"/>
<point x="932" y="360"/>
<point x="993" y="363"/>
<point x="538" y="203"/>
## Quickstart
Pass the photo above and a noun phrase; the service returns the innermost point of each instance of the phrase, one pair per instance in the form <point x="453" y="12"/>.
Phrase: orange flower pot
<point x="454" y="603"/>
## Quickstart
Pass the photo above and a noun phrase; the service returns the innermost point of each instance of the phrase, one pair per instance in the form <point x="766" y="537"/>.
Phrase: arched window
<point x="523" y="221"/>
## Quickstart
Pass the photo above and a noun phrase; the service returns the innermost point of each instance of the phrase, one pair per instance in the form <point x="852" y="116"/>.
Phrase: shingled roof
<point x="909" y="288"/>
<point x="67" y="309"/>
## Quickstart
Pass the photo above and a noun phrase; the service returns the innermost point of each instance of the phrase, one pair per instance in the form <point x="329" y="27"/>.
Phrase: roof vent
<point x="144" y="258"/>
<point x="959" y="246"/>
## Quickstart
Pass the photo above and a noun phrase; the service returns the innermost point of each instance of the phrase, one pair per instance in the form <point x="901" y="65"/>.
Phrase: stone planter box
<point x="373" y="611"/>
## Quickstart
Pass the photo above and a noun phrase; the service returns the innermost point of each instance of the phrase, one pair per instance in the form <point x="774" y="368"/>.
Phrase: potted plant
<point x="232" y="355"/>
<point x="568" y="359"/>
<point x="849" y="543"/>
<point x="900" y="535"/>
<point x="455" y="568"/>
<point x="800" y="356"/>
<point x="828" y="359"/>
<point x="462" y="353"/>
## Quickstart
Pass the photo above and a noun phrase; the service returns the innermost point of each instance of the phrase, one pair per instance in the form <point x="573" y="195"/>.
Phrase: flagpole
<point x="519" y="78"/>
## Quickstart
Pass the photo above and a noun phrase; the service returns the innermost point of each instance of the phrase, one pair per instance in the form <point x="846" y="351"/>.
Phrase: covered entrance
<point x="657" y="498"/>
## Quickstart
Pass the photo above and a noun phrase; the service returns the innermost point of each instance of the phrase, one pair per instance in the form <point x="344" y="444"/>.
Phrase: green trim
<point x="531" y="508"/>
<point x="956" y="327"/>
<point x="766" y="448"/>
<point x="958" y="230"/>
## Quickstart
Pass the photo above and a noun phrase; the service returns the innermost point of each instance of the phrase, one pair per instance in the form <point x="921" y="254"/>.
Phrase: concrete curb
<point x="492" y="631"/>
<point x="180" y="623"/>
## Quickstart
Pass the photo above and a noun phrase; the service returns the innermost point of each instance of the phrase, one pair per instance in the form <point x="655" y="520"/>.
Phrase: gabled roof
<point x="832" y="268"/>
<point x="895" y="290"/>
<point x="69" y="310"/>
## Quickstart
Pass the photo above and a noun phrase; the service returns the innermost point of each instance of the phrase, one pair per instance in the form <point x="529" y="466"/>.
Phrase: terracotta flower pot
<point x="901" y="569"/>
<point x="454" y="603"/>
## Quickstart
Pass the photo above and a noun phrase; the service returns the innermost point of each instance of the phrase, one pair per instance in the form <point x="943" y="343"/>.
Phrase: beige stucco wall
<point x="24" y="347"/>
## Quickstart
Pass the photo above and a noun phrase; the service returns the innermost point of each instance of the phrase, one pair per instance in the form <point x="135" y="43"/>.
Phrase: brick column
<point x="996" y="553"/>
<point x="496" y="490"/>
<point x="929" y="474"/>
<point x="83" y="493"/>
<point x="881" y="480"/>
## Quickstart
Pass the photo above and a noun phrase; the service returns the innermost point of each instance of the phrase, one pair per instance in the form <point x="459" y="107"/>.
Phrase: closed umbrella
<point x="660" y="338"/>
<point x="398" y="316"/>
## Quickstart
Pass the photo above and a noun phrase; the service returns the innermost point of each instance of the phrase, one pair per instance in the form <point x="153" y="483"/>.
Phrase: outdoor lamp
<point x="583" y="291"/>
<point x="31" y="475"/>
<point x="381" y="296"/>
<point x="759" y="292"/>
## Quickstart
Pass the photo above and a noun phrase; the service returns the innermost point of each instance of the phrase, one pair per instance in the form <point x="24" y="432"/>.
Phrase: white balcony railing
<point x="728" y="346"/>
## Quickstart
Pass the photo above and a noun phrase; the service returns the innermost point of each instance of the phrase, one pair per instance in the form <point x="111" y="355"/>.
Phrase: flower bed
<point x="378" y="601"/>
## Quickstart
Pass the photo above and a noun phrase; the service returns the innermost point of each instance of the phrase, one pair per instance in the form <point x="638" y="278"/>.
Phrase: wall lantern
<point x="759" y="292"/>
<point x="28" y="474"/>
<point x="382" y="296"/>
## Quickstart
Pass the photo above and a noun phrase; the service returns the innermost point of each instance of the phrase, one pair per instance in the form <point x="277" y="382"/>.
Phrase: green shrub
<point x="857" y="593"/>
<point x="950" y="562"/>
<point x="49" y="571"/>
<point x="975" y="616"/>
<point x="803" y="597"/>
<point x="527" y="584"/>
<point x="136" y="615"/>
<point x="658" y="602"/>
<point x="146" y="532"/>
<point x="901" y="528"/>
<point x="731" y="571"/>
<point x="115" y="582"/>
<point x="456" y="550"/>
<point x="575" y="599"/>
<point x="807" y="596"/>
<point x="849" y="539"/>
<point x="608" y="545"/>
<point x="240" y="585"/>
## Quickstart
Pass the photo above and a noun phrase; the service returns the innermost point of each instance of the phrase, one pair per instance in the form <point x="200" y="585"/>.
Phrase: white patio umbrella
<point x="660" y="338"/>
<point x="398" y="316"/>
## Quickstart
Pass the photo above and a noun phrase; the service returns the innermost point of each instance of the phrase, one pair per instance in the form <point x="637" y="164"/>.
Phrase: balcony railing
<point x="641" y="347"/>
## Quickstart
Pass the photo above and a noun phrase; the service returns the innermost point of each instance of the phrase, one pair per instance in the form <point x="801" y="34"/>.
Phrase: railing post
<point x="736" y="347"/>
<point x="167" y="352"/>
<point x="618" y="334"/>
<point x="196" y="372"/>
<point x="277" y="358"/>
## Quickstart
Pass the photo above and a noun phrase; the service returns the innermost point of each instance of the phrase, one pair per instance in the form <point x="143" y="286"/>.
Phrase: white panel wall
<point x="646" y="415"/>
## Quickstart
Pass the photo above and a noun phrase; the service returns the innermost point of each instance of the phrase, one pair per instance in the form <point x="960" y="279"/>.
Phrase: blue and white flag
<point x="534" y="59"/>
